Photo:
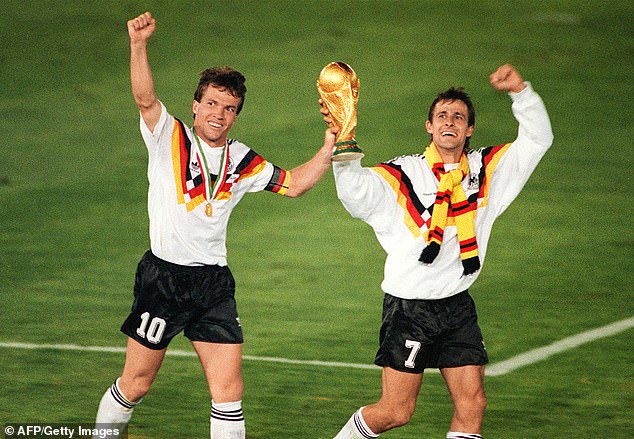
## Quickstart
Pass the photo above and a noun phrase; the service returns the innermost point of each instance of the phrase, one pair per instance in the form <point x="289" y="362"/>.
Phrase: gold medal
<point x="212" y="187"/>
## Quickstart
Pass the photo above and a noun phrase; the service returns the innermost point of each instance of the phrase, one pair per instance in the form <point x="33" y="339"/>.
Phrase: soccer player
<point x="433" y="212"/>
<point x="196" y="177"/>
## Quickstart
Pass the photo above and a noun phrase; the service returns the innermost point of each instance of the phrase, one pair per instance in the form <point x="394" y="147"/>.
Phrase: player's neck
<point x="450" y="157"/>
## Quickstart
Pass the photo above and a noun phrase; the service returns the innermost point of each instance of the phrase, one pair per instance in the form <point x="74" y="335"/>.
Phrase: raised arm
<point x="305" y="176"/>
<point x="534" y="138"/>
<point x="140" y="30"/>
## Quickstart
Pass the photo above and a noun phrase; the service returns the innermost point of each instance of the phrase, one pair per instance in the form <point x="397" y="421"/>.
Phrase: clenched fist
<point x="141" y="28"/>
<point x="507" y="78"/>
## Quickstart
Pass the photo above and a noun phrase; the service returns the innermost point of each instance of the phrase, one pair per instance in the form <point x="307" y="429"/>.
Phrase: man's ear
<point x="428" y="126"/>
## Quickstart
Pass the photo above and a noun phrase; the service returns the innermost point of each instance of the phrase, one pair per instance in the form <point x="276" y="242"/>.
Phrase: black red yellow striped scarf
<point x="451" y="200"/>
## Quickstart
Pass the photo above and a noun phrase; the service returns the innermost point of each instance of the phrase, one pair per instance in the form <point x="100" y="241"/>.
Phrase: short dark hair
<point x="225" y="78"/>
<point x="455" y="94"/>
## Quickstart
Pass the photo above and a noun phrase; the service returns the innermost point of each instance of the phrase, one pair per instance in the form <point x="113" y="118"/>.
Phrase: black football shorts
<point x="170" y="298"/>
<point x="419" y="334"/>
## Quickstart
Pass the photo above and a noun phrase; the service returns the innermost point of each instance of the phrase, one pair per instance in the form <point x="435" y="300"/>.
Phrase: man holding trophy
<point x="433" y="212"/>
<point x="197" y="175"/>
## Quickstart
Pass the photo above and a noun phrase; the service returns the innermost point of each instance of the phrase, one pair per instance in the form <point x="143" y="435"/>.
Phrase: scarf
<point x="451" y="198"/>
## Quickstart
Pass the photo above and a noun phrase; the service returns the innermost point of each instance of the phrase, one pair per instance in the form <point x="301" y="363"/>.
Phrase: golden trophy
<point x="338" y="88"/>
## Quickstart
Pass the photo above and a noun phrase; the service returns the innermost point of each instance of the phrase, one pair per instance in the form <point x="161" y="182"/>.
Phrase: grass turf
<point x="73" y="213"/>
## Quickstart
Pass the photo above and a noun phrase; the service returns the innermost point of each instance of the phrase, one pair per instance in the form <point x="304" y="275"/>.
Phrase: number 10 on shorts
<point x="415" y="347"/>
<point x="155" y="329"/>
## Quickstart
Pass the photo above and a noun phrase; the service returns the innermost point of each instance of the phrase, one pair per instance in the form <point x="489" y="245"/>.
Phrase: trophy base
<point x="347" y="151"/>
<point x="346" y="156"/>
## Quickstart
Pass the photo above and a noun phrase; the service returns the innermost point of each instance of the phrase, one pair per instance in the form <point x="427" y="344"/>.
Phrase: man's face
<point x="214" y="115"/>
<point x="449" y="127"/>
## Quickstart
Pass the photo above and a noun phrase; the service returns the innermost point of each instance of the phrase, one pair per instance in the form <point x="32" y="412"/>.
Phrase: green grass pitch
<point x="73" y="220"/>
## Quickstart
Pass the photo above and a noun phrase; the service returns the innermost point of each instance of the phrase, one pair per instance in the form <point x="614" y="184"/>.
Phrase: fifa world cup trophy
<point x="338" y="88"/>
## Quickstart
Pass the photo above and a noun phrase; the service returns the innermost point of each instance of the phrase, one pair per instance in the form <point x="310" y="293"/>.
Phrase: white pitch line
<point x="496" y="369"/>
<point x="178" y="353"/>
<point x="539" y="354"/>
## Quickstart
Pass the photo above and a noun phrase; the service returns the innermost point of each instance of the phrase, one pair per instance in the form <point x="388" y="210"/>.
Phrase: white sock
<point x="460" y="435"/>
<point x="114" y="410"/>
<point x="227" y="421"/>
<point x="356" y="428"/>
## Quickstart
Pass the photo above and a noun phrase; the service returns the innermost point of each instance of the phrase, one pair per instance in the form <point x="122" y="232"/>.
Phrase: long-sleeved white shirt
<point x="395" y="198"/>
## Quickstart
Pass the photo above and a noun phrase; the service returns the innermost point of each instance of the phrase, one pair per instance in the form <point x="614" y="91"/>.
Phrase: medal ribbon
<point x="222" y="172"/>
